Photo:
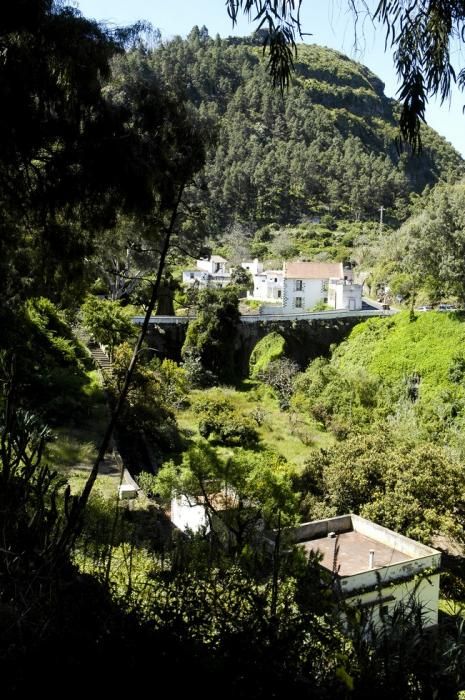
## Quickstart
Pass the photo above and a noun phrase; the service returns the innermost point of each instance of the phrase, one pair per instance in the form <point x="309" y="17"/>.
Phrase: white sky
<point x="328" y="21"/>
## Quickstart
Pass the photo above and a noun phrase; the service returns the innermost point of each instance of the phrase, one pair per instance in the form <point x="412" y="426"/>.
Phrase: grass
<point x="397" y="347"/>
<point x="279" y="430"/>
<point x="106" y="485"/>
<point x="75" y="444"/>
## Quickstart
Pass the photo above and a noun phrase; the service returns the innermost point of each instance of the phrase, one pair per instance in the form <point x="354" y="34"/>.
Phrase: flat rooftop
<point x="353" y="556"/>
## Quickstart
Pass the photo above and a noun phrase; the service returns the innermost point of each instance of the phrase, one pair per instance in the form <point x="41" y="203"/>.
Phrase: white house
<point x="212" y="272"/>
<point x="306" y="284"/>
<point x="372" y="567"/>
<point x="267" y="286"/>
<point x="300" y="286"/>
<point x="216" y="271"/>
<point x="191" y="513"/>
<point x="343" y="294"/>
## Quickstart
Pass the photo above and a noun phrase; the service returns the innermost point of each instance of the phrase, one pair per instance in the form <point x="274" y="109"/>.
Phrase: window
<point x="275" y="279"/>
<point x="298" y="302"/>
<point x="298" y="285"/>
<point x="324" y="286"/>
<point x="325" y="300"/>
<point x="191" y="275"/>
<point x="279" y="294"/>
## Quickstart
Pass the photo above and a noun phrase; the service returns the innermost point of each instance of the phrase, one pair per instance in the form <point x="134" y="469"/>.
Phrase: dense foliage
<point x="327" y="146"/>
<point x="208" y="350"/>
<point x="427" y="258"/>
<point x="86" y="156"/>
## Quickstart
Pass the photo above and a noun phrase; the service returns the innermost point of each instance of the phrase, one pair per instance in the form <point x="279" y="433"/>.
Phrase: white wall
<point x="254" y="267"/>
<point x="191" y="276"/>
<point x="425" y="592"/>
<point x="312" y="292"/>
<point x="186" y="516"/>
<point x="343" y="295"/>
<point x="214" y="267"/>
<point x="267" y="286"/>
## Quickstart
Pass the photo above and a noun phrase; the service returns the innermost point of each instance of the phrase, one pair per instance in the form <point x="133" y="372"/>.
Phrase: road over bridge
<point x="307" y="335"/>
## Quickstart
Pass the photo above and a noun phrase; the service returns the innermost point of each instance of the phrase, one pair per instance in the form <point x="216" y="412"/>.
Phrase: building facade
<point x="371" y="567"/>
<point x="212" y="272"/>
<point x="300" y="286"/>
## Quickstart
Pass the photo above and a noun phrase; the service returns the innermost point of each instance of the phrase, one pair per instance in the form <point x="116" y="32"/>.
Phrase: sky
<point x="328" y="21"/>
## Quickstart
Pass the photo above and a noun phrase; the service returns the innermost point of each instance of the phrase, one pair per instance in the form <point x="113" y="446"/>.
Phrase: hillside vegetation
<point x="326" y="147"/>
<point x="406" y="373"/>
<point x="108" y="171"/>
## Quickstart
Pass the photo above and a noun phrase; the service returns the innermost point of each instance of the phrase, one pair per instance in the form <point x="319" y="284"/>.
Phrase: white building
<point x="212" y="272"/>
<point x="191" y="513"/>
<point x="300" y="286"/>
<point x="255" y="267"/>
<point x="306" y="284"/>
<point x="372" y="567"/>
<point x="187" y="514"/>
<point x="297" y="288"/>
<point x="343" y="294"/>
<point x="267" y="286"/>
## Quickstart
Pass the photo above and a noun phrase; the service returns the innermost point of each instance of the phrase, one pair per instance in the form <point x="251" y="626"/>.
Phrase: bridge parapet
<point x="273" y="318"/>
<point x="307" y="335"/>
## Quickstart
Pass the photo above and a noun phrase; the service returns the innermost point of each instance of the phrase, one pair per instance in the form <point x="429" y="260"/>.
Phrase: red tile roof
<point x="313" y="270"/>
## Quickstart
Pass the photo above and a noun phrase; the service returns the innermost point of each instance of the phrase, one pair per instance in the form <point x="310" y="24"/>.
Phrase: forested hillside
<point x="423" y="260"/>
<point x="326" y="146"/>
<point x="109" y="177"/>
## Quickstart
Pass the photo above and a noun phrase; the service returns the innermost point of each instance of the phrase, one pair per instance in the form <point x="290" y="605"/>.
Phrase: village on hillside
<point x="298" y="287"/>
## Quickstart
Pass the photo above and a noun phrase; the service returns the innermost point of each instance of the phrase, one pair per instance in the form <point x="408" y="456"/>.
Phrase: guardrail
<point x="323" y="315"/>
<point x="163" y="320"/>
<point x="255" y="318"/>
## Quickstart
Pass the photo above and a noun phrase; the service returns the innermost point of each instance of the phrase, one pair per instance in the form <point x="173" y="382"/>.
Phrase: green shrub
<point x="221" y="422"/>
<point x="268" y="349"/>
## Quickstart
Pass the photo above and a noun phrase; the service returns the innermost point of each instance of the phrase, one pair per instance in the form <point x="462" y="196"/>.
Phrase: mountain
<point x="327" y="146"/>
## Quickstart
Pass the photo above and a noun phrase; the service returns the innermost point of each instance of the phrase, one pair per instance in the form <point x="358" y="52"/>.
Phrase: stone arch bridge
<point x="307" y="335"/>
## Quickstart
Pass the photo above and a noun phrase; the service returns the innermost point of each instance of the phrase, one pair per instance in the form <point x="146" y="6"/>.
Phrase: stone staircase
<point x="101" y="359"/>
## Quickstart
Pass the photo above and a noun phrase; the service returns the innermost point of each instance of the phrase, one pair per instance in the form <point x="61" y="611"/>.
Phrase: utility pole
<point x="381" y="212"/>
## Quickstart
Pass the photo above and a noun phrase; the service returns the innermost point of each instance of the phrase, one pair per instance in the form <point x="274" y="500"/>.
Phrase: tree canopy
<point x="421" y="32"/>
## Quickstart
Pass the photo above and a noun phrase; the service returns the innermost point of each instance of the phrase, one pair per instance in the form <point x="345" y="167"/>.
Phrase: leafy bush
<point x="280" y="375"/>
<point x="221" y="422"/>
<point x="268" y="349"/>
<point x="147" y="483"/>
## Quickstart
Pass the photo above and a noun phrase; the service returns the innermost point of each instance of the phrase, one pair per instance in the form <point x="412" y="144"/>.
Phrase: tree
<point x="281" y="22"/>
<point x="410" y="488"/>
<point x="62" y="147"/>
<point x="239" y="490"/>
<point x="435" y="240"/>
<point x="219" y="420"/>
<point x="210" y="336"/>
<point x="422" y="32"/>
<point x="149" y="403"/>
<point x="242" y="279"/>
<point x="280" y="375"/>
<point x="108" y="322"/>
<point x="168" y="147"/>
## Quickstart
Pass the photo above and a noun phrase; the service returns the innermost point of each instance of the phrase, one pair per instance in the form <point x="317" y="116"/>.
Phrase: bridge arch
<point x="306" y="336"/>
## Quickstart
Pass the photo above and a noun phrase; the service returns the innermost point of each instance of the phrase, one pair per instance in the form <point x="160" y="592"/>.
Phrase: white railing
<point x="322" y="315"/>
<point x="255" y="318"/>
